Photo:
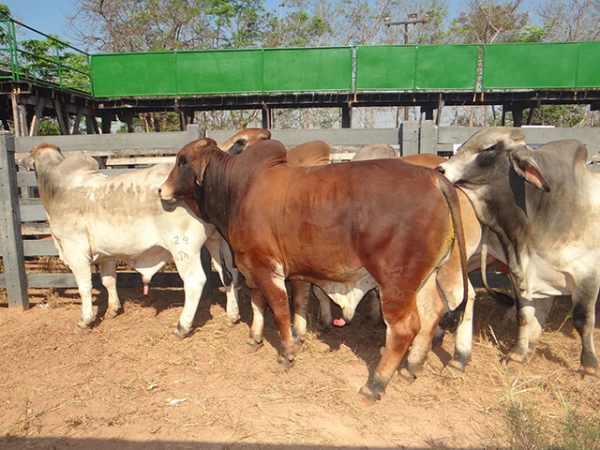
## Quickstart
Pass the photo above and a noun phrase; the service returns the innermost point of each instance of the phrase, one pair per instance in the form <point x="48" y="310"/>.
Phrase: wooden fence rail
<point x="24" y="230"/>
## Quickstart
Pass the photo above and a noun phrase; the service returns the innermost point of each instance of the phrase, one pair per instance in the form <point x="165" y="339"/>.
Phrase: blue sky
<point x="50" y="16"/>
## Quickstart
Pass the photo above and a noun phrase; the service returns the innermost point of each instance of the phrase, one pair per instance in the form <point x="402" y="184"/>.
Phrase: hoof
<point x="230" y="322"/>
<point x="111" y="313"/>
<point x="457" y="365"/>
<point x="286" y="362"/>
<point x="406" y="377"/>
<point x="180" y="332"/>
<point x="252" y="346"/>
<point x="588" y="374"/>
<point x="83" y="325"/>
<point x="513" y="365"/>
<point x="370" y="395"/>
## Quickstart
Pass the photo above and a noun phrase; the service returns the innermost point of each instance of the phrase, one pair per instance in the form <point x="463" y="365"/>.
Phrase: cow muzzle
<point x="166" y="194"/>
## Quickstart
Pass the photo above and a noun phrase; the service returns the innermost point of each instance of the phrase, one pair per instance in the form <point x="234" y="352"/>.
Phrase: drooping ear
<point x="199" y="166"/>
<point x="527" y="168"/>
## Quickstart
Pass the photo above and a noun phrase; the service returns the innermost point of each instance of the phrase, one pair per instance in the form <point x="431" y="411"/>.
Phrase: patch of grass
<point x="580" y="430"/>
<point x="531" y="427"/>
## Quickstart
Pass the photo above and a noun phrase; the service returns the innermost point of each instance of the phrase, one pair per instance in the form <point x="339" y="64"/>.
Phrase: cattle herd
<point x="402" y="232"/>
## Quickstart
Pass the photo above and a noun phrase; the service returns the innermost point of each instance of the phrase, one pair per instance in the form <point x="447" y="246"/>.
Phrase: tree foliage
<point x="156" y="25"/>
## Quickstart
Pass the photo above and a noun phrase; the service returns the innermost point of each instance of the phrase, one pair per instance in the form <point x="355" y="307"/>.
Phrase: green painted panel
<point x="588" y="68"/>
<point x="386" y="67"/>
<point x="219" y="72"/>
<point x="522" y="66"/>
<point x="133" y="74"/>
<point x="307" y="69"/>
<point x="447" y="67"/>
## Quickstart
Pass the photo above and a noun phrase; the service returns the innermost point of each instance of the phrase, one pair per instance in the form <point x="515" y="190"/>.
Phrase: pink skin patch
<point x="339" y="322"/>
<point x="146" y="289"/>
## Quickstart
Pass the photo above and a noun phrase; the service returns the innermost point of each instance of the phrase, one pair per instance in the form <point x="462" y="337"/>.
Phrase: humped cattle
<point x="446" y="283"/>
<point x="97" y="219"/>
<point x="239" y="141"/>
<point x="340" y="226"/>
<point x="543" y="205"/>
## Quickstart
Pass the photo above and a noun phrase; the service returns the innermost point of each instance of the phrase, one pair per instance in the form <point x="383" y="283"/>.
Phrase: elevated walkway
<point x="71" y="85"/>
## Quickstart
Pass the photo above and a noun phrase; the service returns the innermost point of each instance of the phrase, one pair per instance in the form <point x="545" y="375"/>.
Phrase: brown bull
<point x="343" y="226"/>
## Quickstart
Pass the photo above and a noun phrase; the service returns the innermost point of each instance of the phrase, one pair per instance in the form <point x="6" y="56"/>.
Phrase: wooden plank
<point x="39" y="247"/>
<point x="111" y="142"/>
<point x="140" y="160"/>
<point x="33" y="213"/>
<point x="10" y="226"/>
<point x="124" y="279"/>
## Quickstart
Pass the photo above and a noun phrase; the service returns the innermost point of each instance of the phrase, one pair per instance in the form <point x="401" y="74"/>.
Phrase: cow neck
<point x="214" y="195"/>
<point x="48" y="177"/>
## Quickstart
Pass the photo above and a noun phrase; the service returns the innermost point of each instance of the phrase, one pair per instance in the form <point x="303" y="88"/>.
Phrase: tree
<point x="489" y="22"/>
<point x="571" y="20"/>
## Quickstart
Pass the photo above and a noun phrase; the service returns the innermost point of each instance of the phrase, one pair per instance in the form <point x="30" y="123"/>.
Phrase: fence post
<point x="409" y="138"/>
<point x="10" y="226"/>
<point x="194" y="132"/>
<point x="428" y="137"/>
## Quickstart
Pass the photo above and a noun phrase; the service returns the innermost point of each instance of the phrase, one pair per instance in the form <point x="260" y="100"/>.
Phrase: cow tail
<point x="498" y="296"/>
<point x="451" y="319"/>
<point x="227" y="277"/>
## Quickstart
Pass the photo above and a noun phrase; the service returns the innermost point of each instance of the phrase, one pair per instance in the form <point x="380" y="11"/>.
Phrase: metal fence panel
<point x="386" y="67"/>
<point x="588" y="65"/>
<point x="133" y="74"/>
<point x="447" y="67"/>
<point x="220" y="72"/>
<point x="307" y="69"/>
<point x="529" y="66"/>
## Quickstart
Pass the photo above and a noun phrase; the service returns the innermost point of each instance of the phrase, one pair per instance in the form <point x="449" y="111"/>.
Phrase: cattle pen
<point x="23" y="222"/>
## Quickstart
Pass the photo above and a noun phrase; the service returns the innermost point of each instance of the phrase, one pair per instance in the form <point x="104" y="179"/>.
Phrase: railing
<point x="55" y="63"/>
<point x="473" y="68"/>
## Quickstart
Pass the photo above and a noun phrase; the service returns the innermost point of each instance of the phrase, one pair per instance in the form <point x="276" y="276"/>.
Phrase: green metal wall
<point x="412" y="67"/>
<point x="219" y="72"/>
<point x="307" y="69"/>
<point x="134" y="74"/>
<point x="222" y="72"/>
<point x="476" y="68"/>
<point x="520" y="66"/>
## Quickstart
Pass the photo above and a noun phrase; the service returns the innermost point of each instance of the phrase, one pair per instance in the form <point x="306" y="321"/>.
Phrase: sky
<point x="50" y="16"/>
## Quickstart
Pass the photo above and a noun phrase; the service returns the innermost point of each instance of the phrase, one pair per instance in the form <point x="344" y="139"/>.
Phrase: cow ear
<point x="199" y="167"/>
<point x="528" y="169"/>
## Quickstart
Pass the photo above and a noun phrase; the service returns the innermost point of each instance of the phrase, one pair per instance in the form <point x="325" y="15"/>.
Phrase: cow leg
<point x="108" y="272"/>
<point x="531" y="316"/>
<point x="193" y="276"/>
<point x="584" y="306"/>
<point x="325" y="317"/>
<point x="259" y="306"/>
<point x="82" y="271"/>
<point x="372" y="297"/>
<point x="223" y="262"/>
<point x="300" y="295"/>
<point x="273" y="288"/>
<point x="430" y="307"/>
<point x="400" y="313"/>
<point x="463" y="344"/>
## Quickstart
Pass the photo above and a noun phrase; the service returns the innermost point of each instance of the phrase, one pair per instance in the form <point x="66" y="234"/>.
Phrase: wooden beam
<point x="37" y="115"/>
<point x="10" y="226"/>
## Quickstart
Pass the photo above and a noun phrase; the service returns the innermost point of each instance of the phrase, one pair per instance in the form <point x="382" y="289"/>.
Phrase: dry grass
<point x="130" y="379"/>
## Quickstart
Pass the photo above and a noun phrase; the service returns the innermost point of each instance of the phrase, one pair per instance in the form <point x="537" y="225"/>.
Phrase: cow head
<point x="243" y="139"/>
<point x="182" y="179"/>
<point x="49" y="153"/>
<point x="481" y="155"/>
<point x="488" y="154"/>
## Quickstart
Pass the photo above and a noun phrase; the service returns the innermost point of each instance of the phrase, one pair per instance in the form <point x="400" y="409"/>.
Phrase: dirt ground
<point x="129" y="383"/>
